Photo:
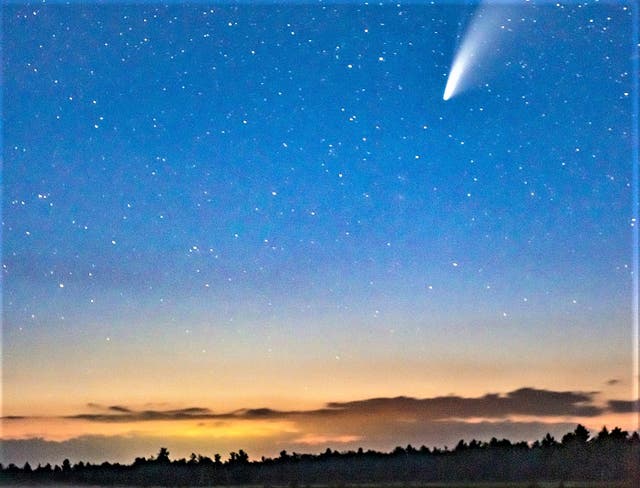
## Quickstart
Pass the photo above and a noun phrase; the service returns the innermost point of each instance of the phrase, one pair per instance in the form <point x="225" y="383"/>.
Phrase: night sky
<point x="236" y="207"/>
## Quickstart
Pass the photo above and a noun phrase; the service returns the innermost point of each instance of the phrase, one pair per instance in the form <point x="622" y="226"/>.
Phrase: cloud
<point x="117" y="408"/>
<point x="624" y="406"/>
<point x="521" y="402"/>
<point x="125" y="414"/>
<point x="256" y="413"/>
<point x="525" y="401"/>
<point x="316" y="440"/>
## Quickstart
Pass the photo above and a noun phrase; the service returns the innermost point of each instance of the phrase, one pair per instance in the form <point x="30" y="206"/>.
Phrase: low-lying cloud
<point x="521" y="402"/>
<point x="525" y="401"/>
<point x="624" y="406"/>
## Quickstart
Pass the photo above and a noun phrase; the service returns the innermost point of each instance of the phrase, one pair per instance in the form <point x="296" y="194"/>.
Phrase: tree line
<point x="608" y="456"/>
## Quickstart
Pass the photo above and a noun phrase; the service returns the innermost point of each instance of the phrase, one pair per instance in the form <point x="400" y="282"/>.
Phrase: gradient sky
<point x="209" y="209"/>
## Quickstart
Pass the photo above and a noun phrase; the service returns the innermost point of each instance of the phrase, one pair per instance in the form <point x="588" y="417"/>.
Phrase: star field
<point x="201" y="200"/>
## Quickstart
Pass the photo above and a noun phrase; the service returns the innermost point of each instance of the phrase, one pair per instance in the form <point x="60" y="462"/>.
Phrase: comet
<point x="455" y="75"/>
<point x="481" y="43"/>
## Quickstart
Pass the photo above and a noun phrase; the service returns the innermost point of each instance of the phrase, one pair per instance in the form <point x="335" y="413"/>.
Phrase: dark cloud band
<point x="524" y="401"/>
<point x="520" y="402"/>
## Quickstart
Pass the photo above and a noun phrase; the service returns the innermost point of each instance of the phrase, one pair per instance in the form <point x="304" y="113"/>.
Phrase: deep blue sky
<point x="283" y="186"/>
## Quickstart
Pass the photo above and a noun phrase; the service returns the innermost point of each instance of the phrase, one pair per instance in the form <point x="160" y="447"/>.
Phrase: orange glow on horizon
<point x="56" y="429"/>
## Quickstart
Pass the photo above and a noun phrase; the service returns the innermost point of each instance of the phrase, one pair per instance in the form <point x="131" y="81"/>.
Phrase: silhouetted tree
<point x="582" y="434"/>
<point x="163" y="455"/>
<point x="548" y="441"/>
